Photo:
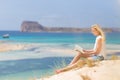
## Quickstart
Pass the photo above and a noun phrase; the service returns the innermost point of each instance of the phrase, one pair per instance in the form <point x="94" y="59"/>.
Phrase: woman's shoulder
<point x="99" y="37"/>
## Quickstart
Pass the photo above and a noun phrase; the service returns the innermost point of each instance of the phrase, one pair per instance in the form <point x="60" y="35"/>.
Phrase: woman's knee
<point x="79" y="54"/>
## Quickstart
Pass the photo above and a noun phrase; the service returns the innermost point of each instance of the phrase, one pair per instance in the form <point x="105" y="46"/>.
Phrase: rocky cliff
<point x="31" y="26"/>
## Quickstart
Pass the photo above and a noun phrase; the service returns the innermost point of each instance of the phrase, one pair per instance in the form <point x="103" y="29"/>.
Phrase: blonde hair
<point x="97" y="27"/>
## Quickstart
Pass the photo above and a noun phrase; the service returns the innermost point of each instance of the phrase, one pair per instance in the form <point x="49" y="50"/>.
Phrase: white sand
<point x="10" y="47"/>
<point x="105" y="70"/>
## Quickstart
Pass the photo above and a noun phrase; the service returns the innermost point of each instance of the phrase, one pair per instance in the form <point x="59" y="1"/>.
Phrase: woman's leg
<point x="76" y="62"/>
<point x="79" y="63"/>
<point x="77" y="57"/>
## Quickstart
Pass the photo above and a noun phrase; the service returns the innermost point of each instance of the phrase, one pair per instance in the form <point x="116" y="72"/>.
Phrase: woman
<point x="97" y="53"/>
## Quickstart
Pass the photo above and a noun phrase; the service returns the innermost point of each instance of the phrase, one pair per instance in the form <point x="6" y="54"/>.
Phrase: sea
<point x="44" y="52"/>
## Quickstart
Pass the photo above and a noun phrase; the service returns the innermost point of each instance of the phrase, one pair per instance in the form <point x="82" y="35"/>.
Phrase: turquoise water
<point x="45" y="37"/>
<point x="39" y="56"/>
<point x="27" y="69"/>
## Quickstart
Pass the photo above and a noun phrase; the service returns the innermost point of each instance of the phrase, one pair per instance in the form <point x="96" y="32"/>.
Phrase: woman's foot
<point x="58" y="71"/>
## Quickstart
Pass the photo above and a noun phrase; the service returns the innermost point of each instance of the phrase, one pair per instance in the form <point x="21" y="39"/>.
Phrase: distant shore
<point x="34" y="26"/>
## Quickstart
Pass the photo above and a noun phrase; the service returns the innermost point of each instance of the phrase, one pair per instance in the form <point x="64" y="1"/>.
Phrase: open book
<point x="78" y="48"/>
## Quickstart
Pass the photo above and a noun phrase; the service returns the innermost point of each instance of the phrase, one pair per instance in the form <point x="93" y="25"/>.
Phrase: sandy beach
<point x="104" y="70"/>
<point x="4" y="47"/>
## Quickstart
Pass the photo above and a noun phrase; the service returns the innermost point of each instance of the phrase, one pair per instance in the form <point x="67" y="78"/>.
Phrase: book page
<point x="78" y="48"/>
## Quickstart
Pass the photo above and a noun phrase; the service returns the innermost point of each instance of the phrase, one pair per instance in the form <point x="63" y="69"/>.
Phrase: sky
<point x="59" y="13"/>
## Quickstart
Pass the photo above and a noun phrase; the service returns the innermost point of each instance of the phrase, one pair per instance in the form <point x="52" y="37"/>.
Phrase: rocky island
<point x="33" y="26"/>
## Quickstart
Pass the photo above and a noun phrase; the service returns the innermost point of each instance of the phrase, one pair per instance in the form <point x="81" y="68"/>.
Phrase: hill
<point x="33" y="26"/>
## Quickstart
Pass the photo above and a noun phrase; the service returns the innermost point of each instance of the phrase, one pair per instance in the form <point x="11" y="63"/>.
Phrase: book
<point x="78" y="48"/>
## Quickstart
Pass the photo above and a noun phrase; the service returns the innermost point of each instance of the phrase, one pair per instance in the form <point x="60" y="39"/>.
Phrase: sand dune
<point x="104" y="70"/>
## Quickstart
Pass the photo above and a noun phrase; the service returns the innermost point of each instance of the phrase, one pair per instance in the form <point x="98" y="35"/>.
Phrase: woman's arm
<point x="87" y="50"/>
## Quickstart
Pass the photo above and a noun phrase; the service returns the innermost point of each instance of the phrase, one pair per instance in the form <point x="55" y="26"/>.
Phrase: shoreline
<point x="33" y="50"/>
<point x="4" y="47"/>
<point x="11" y="47"/>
